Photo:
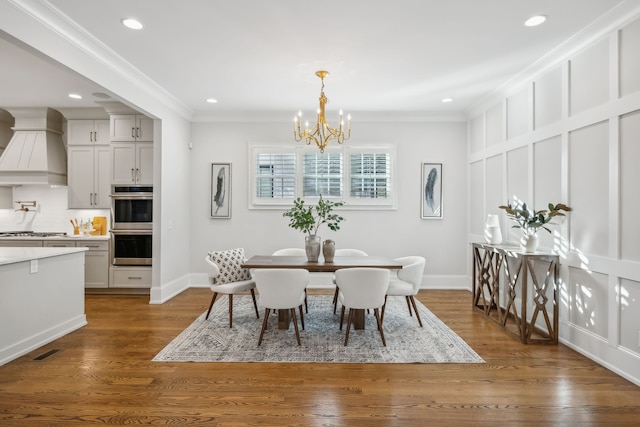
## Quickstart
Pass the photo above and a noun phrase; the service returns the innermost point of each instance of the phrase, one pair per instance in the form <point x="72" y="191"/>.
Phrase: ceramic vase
<point x="529" y="242"/>
<point x="328" y="250"/>
<point x="312" y="247"/>
<point x="492" y="233"/>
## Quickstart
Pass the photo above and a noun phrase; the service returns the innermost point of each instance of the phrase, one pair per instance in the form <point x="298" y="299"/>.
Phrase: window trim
<point x="351" y="203"/>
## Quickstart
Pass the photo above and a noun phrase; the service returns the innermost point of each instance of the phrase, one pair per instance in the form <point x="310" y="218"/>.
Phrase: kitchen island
<point x="41" y="297"/>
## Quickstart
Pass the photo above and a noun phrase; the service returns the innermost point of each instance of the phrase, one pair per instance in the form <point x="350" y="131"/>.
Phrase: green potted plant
<point x="530" y="221"/>
<point x="308" y="219"/>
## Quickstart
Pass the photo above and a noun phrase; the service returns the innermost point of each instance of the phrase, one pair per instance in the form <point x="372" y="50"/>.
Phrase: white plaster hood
<point x="36" y="153"/>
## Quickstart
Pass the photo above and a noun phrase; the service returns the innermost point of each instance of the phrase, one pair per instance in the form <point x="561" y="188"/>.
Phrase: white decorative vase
<point x="529" y="242"/>
<point x="312" y="247"/>
<point x="492" y="233"/>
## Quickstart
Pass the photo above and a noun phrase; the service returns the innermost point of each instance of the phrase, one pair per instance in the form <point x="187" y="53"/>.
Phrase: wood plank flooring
<point x="102" y="374"/>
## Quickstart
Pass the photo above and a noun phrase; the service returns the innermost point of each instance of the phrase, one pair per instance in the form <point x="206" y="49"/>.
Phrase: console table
<point x="530" y="277"/>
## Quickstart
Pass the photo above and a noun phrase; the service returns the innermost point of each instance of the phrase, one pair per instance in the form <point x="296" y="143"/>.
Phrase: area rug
<point x="213" y="341"/>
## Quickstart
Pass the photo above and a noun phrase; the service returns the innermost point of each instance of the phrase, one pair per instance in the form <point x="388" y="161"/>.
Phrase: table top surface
<point x="274" y="261"/>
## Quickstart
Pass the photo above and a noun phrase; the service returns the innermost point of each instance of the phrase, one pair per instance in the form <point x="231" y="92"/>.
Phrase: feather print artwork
<point x="219" y="197"/>
<point x="430" y="187"/>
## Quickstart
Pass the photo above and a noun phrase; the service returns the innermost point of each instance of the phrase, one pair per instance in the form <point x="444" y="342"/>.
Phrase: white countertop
<point x="15" y="255"/>
<point x="67" y="237"/>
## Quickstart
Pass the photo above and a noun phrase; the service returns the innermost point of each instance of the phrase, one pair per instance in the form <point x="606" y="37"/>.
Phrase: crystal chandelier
<point x="321" y="133"/>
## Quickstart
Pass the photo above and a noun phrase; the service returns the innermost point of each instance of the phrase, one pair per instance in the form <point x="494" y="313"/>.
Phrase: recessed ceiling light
<point x="212" y="100"/>
<point x="75" y="96"/>
<point x="535" y="20"/>
<point x="101" y="95"/>
<point x="132" y="23"/>
<point x="445" y="100"/>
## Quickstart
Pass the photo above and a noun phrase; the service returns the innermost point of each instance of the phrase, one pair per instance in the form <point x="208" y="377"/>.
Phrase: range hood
<point x="35" y="154"/>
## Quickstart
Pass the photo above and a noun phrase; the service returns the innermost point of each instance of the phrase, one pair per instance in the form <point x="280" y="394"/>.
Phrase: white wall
<point x="571" y="136"/>
<point x="393" y="233"/>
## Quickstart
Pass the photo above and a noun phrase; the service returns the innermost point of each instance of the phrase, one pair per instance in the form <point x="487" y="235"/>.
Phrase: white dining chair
<point x="281" y="289"/>
<point x="294" y="252"/>
<point x="344" y="252"/>
<point x="360" y="289"/>
<point x="229" y="286"/>
<point x="407" y="283"/>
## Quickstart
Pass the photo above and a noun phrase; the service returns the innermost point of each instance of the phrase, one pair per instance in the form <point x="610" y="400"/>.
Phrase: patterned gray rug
<point x="213" y="341"/>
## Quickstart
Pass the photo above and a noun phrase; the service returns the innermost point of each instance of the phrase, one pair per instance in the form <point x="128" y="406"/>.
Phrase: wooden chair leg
<point x="230" y="310"/>
<point x="375" y="312"/>
<point x="415" y="308"/>
<point x="264" y="325"/>
<point x="383" y="307"/>
<point x="341" y="316"/>
<point x="255" y="304"/>
<point x="301" y="317"/>
<point x="215" y="295"/>
<point x="409" y="305"/>
<point x="349" y="318"/>
<point x="335" y="299"/>
<point x="306" y="306"/>
<point x="295" y="324"/>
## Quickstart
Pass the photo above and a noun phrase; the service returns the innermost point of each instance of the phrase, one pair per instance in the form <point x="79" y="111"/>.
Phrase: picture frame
<point x="220" y="206"/>
<point x="431" y="190"/>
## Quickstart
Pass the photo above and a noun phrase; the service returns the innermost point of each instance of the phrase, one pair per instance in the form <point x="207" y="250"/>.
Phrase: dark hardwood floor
<point x="102" y="374"/>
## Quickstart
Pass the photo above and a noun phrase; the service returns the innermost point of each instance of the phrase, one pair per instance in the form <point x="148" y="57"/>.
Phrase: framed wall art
<point x="220" y="190"/>
<point x="431" y="191"/>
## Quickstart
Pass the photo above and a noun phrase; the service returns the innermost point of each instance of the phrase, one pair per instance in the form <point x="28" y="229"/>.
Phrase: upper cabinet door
<point x="131" y="128"/>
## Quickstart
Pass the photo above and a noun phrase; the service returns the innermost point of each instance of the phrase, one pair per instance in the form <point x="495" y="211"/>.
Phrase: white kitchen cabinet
<point x="132" y="163"/>
<point x="96" y="259"/>
<point x="131" y="128"/>
<point x="89" y="176"/>
<point x="5" y="243"/>
<point x="130" y="277"/>
<point x="88" y="132"/>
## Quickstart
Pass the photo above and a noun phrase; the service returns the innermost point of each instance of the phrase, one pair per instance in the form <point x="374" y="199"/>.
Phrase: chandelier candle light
<point x="321" y="133"/>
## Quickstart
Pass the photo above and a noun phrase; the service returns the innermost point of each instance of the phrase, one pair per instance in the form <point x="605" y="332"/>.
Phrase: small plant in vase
<point x="530" y="221"/>
<point x="308" y="219"/>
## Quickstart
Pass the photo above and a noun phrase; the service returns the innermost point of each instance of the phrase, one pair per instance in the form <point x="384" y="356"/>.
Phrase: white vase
<point x="529" y="242"/>
<point x="312" y="247"/>
<point x="492" y="233"/>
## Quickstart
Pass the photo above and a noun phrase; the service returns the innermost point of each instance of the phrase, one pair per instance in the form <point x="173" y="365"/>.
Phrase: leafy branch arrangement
<point x="531" y="221"/>
<point x="302" y="217"/>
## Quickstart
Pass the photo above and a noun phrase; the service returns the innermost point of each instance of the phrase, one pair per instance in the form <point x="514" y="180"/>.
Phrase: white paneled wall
<point x="571" y="136"/>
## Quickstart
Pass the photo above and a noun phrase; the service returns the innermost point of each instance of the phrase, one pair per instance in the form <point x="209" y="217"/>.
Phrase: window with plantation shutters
<point x="370" y="175"/>
<point x="361" y="177"/>
<point x="322" y="174"/>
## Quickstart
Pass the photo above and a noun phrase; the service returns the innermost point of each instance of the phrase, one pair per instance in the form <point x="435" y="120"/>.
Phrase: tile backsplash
<point x="50" y="215"/>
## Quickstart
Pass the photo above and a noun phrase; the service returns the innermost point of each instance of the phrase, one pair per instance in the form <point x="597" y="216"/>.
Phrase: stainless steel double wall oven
<point x="131" y="225"/>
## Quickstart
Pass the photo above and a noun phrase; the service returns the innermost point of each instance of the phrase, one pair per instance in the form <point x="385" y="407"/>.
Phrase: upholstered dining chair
<point x="362" y="288"/>
<point x="407" y="283"/>
<point x="344" y="252"/>
<point x="228" y="278"/>
<point x="281" y="289"/>
<point x="294" y="252"/>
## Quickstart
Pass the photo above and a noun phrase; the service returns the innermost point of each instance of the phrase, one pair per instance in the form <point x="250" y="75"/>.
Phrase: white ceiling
<point x="399" y="56"/>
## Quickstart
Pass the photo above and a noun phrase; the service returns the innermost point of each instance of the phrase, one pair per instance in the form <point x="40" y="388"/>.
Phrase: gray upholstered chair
<point x="281" y="289"/>
<point x="362" y="288"/>
<point x="344" y="252"/>
<point x="407" y="284"/>
<point x="227" y="278"/>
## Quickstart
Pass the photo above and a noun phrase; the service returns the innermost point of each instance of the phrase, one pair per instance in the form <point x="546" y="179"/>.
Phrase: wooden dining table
<point x="276" y="261"/>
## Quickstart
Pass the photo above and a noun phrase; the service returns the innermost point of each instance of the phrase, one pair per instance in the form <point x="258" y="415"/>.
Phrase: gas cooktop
<point x="31" y="234"/>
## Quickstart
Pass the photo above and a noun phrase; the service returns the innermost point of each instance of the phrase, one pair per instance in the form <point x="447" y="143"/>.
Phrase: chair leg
<point x="215" y="295"/>
<point x="306" y="306"/>
<point x="264" y="325"/>
<point x="349" y="318"/>
<point x="301" y="317"/>
<point x="341" y="316"/>
<point x="409" y="305"/>
<point x="230" y="310"/>
<point x="415" y="308"/>
<point x="375" y="312"/>
<point x="295" y="324"/>
<point x="335" y="299"/>
<point x="383" y="307"/>
<point x="255" y="304"/>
